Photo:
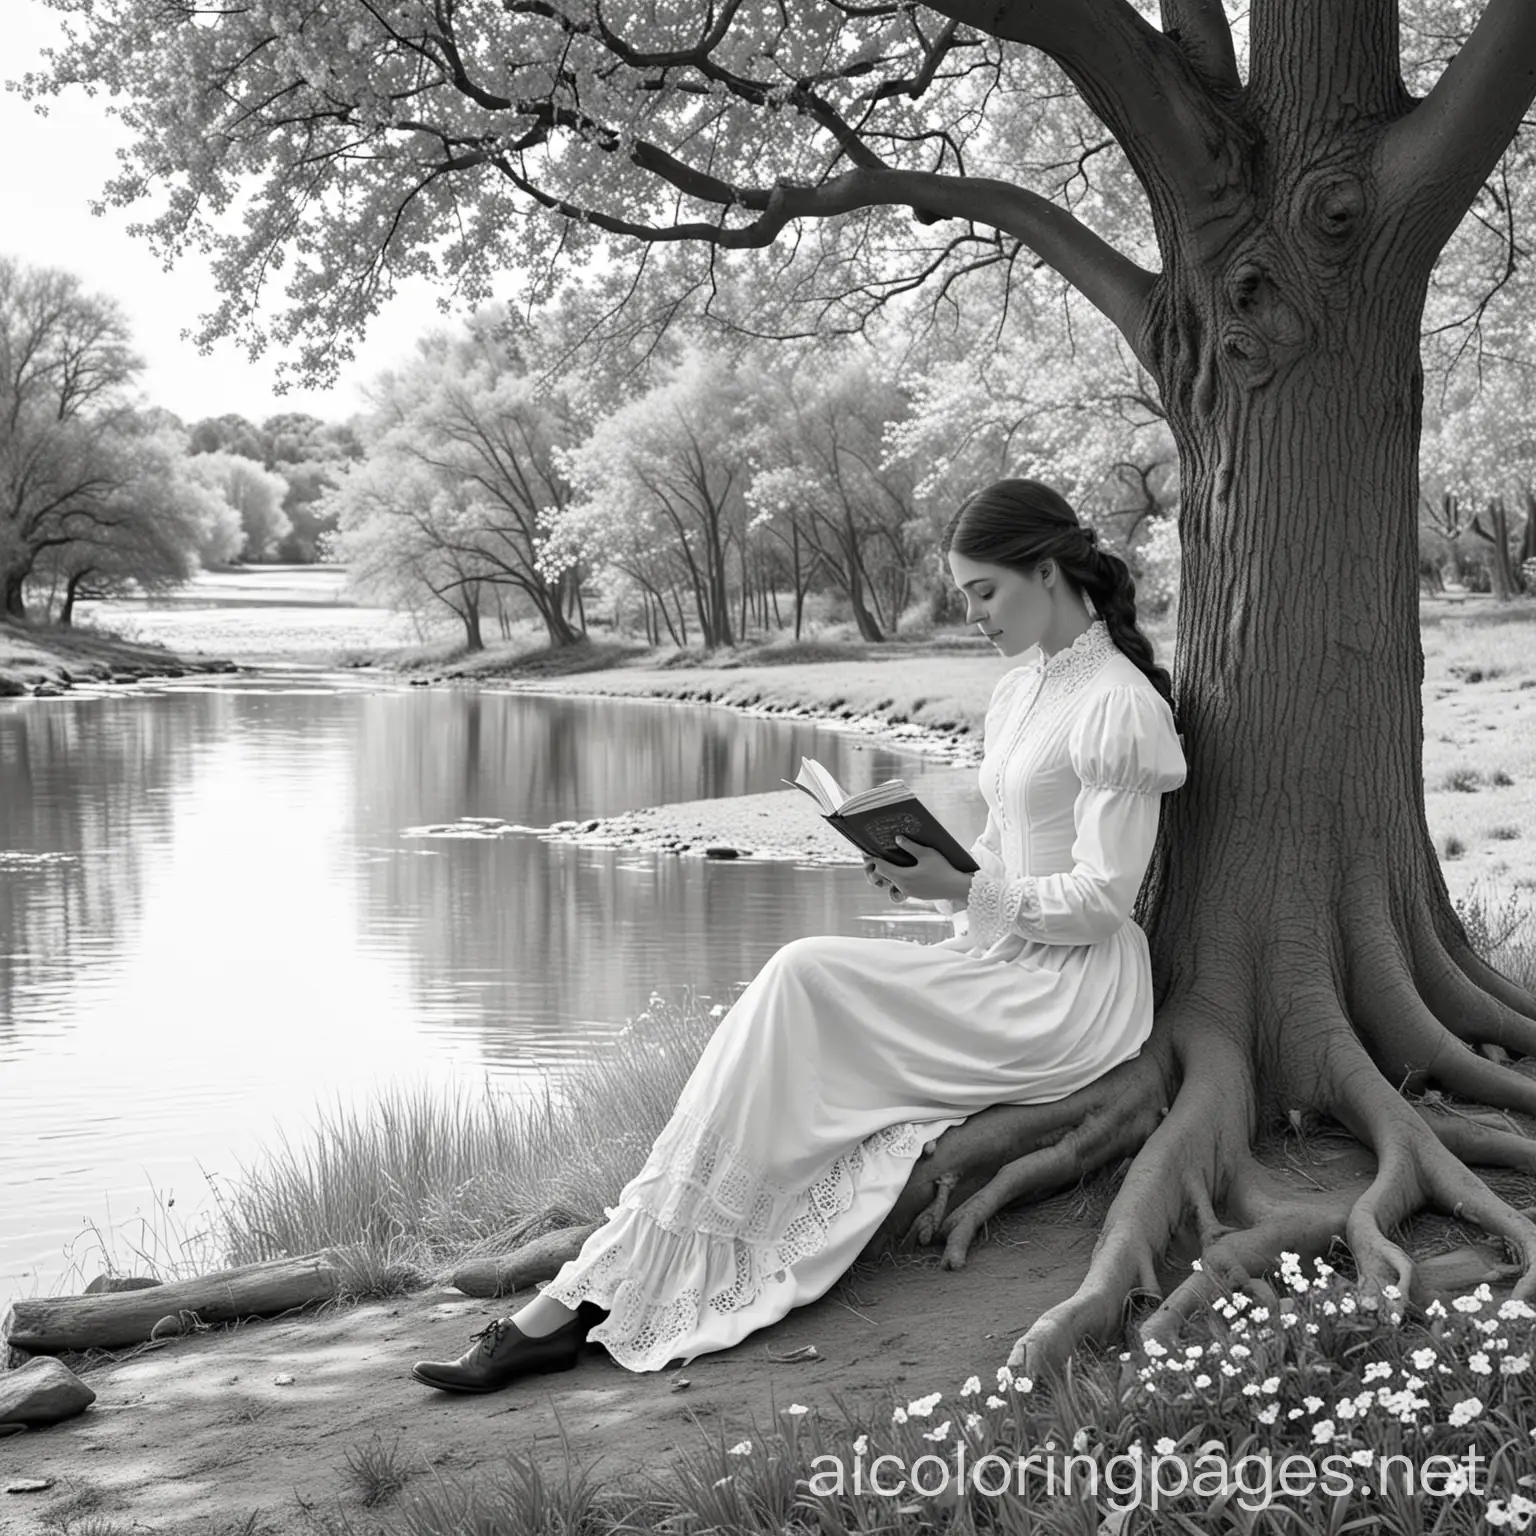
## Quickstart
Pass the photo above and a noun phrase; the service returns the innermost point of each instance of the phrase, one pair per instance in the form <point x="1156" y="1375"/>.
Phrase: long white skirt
<point x="799" y="1126"/>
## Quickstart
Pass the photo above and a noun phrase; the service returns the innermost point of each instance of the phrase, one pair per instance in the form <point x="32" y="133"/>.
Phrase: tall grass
<point x="421" y="1179"/>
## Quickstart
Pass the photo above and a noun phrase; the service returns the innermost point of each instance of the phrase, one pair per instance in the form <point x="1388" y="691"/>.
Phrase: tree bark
<point x="52" y="1324"/>
<point x="71" y="592"/>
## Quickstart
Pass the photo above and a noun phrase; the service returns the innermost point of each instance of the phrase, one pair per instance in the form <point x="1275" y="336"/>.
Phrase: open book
<point x="872" y="819"/>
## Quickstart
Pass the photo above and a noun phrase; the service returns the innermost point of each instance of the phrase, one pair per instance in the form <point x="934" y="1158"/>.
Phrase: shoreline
<point x="779" y="825"/>
<point x="48" y="661"/>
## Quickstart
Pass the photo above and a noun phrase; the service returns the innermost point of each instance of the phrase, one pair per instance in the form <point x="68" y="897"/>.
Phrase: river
<point x="219" y="914"/>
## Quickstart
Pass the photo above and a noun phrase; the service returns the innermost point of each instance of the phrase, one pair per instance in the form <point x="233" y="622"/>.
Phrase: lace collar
<point x="1083" y="655"/>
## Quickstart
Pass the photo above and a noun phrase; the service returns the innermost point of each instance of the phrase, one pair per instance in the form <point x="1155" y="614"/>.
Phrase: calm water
<point x="213" y="923"/>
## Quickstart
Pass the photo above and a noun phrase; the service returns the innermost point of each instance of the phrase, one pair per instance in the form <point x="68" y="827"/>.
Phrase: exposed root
<point x="1410" y="1044"/>
<point x="1306" y="1223"/>
<point x="975" y="1167"/>
<point x="1116" y="1115"/>
<point x="1469" y="1009"/>
<point x="1482" y="974"/>
<point x="1206" y="1126"/>
<point x="1497" y="985"/>
<point x="1480" y="1139"/>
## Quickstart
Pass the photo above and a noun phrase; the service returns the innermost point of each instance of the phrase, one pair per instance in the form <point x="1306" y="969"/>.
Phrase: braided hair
<point x="1020" y="523"/>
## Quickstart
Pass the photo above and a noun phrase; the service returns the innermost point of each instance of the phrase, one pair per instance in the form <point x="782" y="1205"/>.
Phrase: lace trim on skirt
<point x="732" y="1231"/>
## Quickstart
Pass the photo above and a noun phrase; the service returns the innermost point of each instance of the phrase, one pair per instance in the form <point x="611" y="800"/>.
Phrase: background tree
<point x="65" y="364"/>
<point x="407" y="536"/>
<point x="153" y="532"/>
<point x="309" y="454"/>
<point x="467" y="408"/>
<point x="1059" y="396"/>
<point x="1478" y="461"/>
<point x="1296" y="179"/>
<point x="463" y="425"/>
<point x="256" y="495"/>
<point x="662" y="479"/>
<point x="820" y="467"/>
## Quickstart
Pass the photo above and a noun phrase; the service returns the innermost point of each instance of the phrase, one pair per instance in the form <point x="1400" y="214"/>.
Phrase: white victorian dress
<point x="811" y="1101"/>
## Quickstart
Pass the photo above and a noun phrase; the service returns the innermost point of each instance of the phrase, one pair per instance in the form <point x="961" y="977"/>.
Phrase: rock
<point x="11" y="689"/>
<point x="721" y="851"/>
<point x="43" y="1391"/>
<point x="47" y="691"/>
<point x="591" y="826"/>
<point x="28" y="1484"/>
<point x="110" y="1283"/>
<point x="169" y="1327"/>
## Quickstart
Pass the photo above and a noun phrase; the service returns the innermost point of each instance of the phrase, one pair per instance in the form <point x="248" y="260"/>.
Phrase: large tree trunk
<point x="1305" y="950"/>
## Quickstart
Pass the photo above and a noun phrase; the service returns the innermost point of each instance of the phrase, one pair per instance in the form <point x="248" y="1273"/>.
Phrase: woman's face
<point x="1014" y="609"/>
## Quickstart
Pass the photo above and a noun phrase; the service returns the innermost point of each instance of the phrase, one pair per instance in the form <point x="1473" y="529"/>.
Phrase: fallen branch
<point x="499" y="1273"/>
<point x="51" y="1325"/>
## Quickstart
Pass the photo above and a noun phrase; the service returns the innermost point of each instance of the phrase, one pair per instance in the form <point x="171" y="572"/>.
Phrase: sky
<point x="55" y="166"/>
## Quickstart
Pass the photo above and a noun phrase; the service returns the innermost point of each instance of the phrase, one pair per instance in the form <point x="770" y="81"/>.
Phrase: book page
<point x="819" y="785"/>
<point x="887" y="793"/>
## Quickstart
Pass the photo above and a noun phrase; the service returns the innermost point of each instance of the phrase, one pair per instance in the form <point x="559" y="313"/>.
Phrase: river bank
<point x="1479" y="701"/>
<point x="49" y="660"/>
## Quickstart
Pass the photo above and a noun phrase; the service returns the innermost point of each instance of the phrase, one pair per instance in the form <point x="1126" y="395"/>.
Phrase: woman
<point x="813" y="1098"/>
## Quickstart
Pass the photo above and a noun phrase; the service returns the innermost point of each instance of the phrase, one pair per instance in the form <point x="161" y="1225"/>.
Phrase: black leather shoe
<point x="502" y="1352"/>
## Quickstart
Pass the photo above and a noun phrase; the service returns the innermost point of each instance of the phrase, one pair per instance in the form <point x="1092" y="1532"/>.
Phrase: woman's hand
<point x="932" y="878"/>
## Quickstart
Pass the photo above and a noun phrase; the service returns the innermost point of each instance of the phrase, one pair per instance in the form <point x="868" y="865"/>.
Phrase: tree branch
<point x="1201" y="29"/>
<point x="1431" y="163"/>
<point x="1111" y="281"/>
<point x="1138" y="82"/>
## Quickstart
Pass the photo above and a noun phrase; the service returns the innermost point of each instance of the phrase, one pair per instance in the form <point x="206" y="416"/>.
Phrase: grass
<point x="1311" y="1403"/>
<point x="375" y="1472"/>
<point x="424" y="1179"/>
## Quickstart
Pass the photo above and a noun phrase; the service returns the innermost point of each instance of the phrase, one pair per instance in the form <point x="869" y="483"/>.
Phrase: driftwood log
<point x="499" y="1274"/>
<point x="50" y="1325"/>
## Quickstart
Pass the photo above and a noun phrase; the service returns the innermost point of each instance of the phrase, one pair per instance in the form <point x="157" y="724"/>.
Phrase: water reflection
<point x="209" y="916"/>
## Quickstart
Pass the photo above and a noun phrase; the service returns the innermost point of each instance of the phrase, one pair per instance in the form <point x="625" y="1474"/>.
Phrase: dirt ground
<point x="195" y="1436"/>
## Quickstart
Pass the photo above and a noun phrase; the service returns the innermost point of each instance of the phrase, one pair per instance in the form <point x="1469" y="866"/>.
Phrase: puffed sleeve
<point x="987" y="849"/>
<point x="1125" y="752"/>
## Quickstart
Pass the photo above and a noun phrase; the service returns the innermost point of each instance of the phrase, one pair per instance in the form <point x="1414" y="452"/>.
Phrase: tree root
<point x="1458" y="994"/>
<point x="1185" y="1113"/>
<point x="1435" y="930"/>
<point x="1410" y="1044"/>
<point x="1016" y="1151"/>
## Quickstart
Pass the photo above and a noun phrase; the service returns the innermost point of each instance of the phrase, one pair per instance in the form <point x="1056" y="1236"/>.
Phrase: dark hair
<point x="1019" y="523"/>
